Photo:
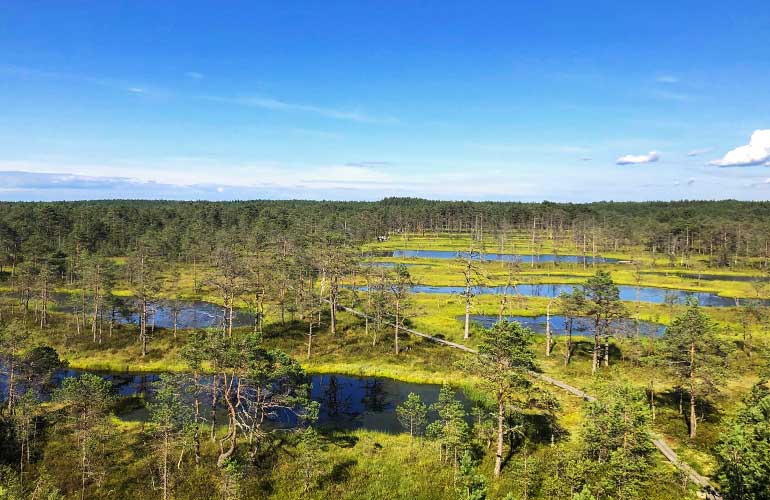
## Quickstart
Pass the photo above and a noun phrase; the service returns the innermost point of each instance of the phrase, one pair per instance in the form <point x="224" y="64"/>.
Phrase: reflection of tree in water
<point x="145" y="384"/>
<point x="334" y="402"/>
<point x="130" y="385"/>
<point x="331" y="397"/>
<point x="142" y="384"/>
<point x="374" y="399"/>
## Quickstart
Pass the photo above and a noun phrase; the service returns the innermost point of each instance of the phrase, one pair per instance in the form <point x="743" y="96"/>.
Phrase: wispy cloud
<point x="20" y="180"/>
<point x="650" y="157"/>
<point x="369" y="164"/>
<point x="318" y="134"/>
<point x="667" y="79"/>
<point x="529" y="147"/>
<point x="673" y="96"/>
<point x="194" y="75"/>
<point x="112" y="83"/>
<point x="698" y="152"/>
<point x="762" y="184"/>
<point x="185" y="172"/>
<point x="756" y="152"/>
<point x="278" y="105"/>
<point x="202" y="178"/>
<point x="223" y="179"/>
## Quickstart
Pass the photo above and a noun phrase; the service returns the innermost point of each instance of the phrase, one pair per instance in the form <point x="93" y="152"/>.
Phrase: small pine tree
<point x="451" y="429"/>
<point x="229" y="486"/>
<point x="471" y="484"/>
<point x="412" y="414"/>
<point x="310" y="459"/>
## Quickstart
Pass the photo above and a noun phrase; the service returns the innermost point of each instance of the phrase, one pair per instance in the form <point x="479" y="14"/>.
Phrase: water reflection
<point x="189" y="314"/>
<point x="580" y="326"/>
<point x="629" y="293"/>
<point x="500" y="257"/>
<point x="711" y="277"/>
<point x="345" y="402"/>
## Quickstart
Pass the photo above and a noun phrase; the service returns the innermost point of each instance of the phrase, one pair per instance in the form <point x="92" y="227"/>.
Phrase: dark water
<point x="190" y="314"/>
<point x="711" y="277"/>
<point x="580" y="326"/>
<point x="195" y="314"/>
<point x="345" y="402"/>
<point x="367" y="402"/>
<point x="503" y="257"/>
<point x="629" y="293"/>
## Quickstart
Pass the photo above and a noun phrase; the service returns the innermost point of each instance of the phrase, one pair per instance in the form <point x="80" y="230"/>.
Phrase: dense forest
<point x="397" y="349"/>
<point x="115" y="227"/>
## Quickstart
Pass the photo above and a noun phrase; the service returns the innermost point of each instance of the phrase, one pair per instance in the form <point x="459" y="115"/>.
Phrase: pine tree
<point x="616" y="437"/>
<point x="450" y="429"/>
<point x="695" y="355"/>
<point x="603" y="305"/>
<point x="743" y="452"/>
<point x="412" y="414"/>
<point x="503" y="361"/>
<point x="471" y="485"/>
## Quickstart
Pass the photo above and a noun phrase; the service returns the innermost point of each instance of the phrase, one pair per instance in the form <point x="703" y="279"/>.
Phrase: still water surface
<point x="580" y="326"/>
<point x="500" y="257"/>
<point x="346" y="402"/>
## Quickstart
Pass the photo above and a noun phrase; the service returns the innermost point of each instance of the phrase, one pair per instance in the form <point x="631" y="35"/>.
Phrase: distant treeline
<point x="724" y="229"/>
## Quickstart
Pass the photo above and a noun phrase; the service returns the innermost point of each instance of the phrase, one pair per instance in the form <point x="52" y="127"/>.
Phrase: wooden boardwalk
<point x="703" y="482"/>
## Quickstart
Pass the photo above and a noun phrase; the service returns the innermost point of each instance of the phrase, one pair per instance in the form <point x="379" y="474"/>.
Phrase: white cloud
<point x="194" y="75"/>
<point x="221" y="178"/>
<point x="136" y="90"/>
<point x="756" y="152"/>
<point x="13" y="180"/>
<point x="698" y="152"/>
<point x="192" y="172"/>
<point x="650" y="157"/>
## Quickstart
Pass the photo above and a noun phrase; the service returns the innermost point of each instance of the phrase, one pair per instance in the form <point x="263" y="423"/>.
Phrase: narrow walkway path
<point x="696" y="478"/>
<point x="409" y="330"/>
<point x="702" y="481"/>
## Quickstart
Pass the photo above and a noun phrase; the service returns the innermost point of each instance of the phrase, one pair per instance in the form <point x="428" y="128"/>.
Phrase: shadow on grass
<point x="339" y="473"/>
<point x="535" y="429"/>
<point x="340" y="440"/>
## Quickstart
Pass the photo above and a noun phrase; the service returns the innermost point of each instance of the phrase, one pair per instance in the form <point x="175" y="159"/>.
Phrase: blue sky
<point x="564" y="101"/>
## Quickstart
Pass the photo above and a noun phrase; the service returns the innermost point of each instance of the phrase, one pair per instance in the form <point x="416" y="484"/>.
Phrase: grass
<point x="366" y="464"/>
<point x="359" y="464"/>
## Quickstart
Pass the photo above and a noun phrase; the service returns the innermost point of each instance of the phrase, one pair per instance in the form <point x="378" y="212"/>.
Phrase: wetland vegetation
<point x="202" y="350"/>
